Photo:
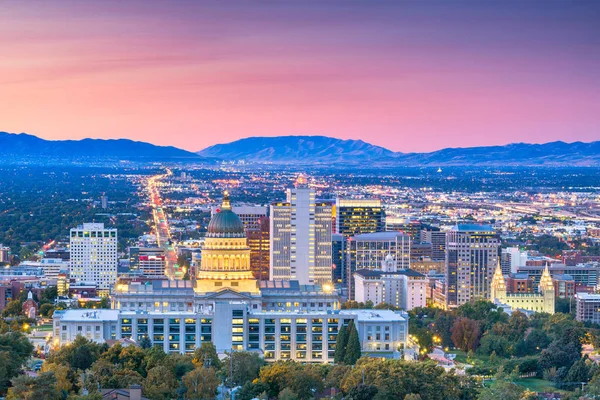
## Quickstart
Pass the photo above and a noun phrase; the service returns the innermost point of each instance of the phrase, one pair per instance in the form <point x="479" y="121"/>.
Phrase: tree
<point x="412" y="396"/>
<point x="206" y="355"/>
<point x="502" y="389"/>
<point x="362" y="392"/>
<point x="145" y="342"/>
<point x="201" y="383"/>
<point x="46" y="310"/>
<point x="63" y="374"/>
<point x="465" y="334"/>
<point x="353" y="347"/>
<point x="340" y="345"/>
<point x="29" y="388"/>
<point x="15" y="349"/>
<point x="245" y="367"/>
<point x="14" y="308"/>
<point x="80" y="354"/>
<point x="287" y="394"/>
<point x="494" y="344"/>
<point x="160" y="383"/>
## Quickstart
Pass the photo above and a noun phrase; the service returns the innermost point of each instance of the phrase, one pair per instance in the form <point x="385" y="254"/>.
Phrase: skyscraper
<point x="369" y="250"/>
<point x="338" y="248"/>
<point x="353" y="217"/>
<point x="437" y="239"/>
<point x="258" y="241"/>
<point x="300" y="246"/>
<point x="94" y="256"/>
<point x="249" y="215"/>
<point x="472" y="253"/>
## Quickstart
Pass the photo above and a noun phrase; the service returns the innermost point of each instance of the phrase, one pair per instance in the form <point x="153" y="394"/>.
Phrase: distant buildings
<point x="4" y="250"/>
<point x="405" y="288"/>
<point x="147" y="261"/>
<point x="301" y="247"/>
<point x="472" y="253"/>
<point x="94" y="255"/>
<point x="369" y="250"/>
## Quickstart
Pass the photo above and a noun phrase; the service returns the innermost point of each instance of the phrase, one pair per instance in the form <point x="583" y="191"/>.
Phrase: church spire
<point x="498" y="286"/>
<point x="546" y="281"/>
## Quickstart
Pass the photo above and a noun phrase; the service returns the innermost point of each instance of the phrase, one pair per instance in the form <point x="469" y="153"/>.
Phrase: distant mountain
<point x="303" y="149"/>
<point x="15" y="146"/>
<point x="323" y="150"/>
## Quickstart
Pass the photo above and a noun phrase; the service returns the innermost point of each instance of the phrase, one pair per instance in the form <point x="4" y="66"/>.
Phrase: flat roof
<point x="390" y="235"/>
<point x="87" y="315"/>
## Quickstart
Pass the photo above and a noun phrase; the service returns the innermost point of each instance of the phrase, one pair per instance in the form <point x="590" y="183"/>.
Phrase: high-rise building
<point x="511" y="259"/>
<point x="147" y="261"/>
<point x="259" y="241"/>
<point x="249" y="215"/>
<point x="369" y="250"/>
<point x="104" y="201"/>
<point x="300" y="247"/>
<point x="472" y="253"/>
<point x="94" y="256"/>
<point x="411" y="228"/>
<point x="354" y="217"/>
<point x="437" y="239"/>
<point x="338" y="248"/>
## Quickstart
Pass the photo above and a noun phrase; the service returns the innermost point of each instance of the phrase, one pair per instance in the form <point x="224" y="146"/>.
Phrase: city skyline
<point x="395" y="75"/>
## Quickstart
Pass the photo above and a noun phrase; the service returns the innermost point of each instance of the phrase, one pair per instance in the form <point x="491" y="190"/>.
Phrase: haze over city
<point x="410" y="76"/>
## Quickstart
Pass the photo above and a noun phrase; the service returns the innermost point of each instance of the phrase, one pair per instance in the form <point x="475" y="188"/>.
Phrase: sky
<point x="406" y="75"/>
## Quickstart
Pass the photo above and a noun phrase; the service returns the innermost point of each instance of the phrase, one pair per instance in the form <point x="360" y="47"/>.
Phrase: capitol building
<point x="226" y="305"/>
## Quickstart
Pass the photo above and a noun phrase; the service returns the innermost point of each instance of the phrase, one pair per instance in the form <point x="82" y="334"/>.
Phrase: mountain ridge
<point x="26" y="145"/>
<point x="280" y="149"/>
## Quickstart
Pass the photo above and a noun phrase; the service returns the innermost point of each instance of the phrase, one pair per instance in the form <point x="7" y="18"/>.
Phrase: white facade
<point x="50" y="266"/>
<point x="511" y="259"/>
<point x="94" y="255"/>
<point x="300" y="244"/>
<point x="304" y="336"/>
<point x="405" y="289"/>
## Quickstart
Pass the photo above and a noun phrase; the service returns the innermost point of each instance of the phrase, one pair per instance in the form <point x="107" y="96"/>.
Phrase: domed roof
<point x="226" y="223"/>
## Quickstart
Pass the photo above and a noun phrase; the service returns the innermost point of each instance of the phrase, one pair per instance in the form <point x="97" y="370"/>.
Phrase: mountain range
<point x="23" y="145"/>
<point x="326" y="150"/>
<point x="300" y="150"/>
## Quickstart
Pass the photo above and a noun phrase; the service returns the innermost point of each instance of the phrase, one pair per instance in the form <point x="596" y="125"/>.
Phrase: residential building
<point x="93" y="251"/>
<point x="587" y="307"/>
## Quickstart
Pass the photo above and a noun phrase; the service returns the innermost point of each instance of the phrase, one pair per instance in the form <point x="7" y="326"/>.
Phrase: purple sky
<point x="407" y="75"/>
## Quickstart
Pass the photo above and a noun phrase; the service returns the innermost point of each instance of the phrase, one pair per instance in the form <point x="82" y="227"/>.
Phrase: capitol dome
<point x="226" y="223"/>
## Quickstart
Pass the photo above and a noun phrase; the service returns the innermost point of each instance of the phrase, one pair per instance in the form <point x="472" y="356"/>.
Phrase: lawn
<point x="538" y="385"/>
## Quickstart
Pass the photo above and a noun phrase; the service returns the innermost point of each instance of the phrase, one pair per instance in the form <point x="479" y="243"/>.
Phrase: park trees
<point x="466" y="334"/>
<point x="201" y="383"/>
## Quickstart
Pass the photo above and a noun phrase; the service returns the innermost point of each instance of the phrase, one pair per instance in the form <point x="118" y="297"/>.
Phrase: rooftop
<point x="473" y="228"/>
<point x="90" y="315"/>
<point x="379" y="236"/>
<point x="377" y="273"/>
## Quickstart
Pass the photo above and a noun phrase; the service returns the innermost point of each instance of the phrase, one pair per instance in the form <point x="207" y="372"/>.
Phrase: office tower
<point x="94" y="256"/>
<point x="258" y="241"/>
<point x="437" y="239"/>
<point x="369" y="250"/>
<point x="472" y="255"/>
<point x="420" y="251"/>
<point x="104" y="201"/>
<point x="4" y="254"/>
<point x="249" y="215"/>
<point x="353" y="217"/>
<point x="147" y="261"/>
<point x="301" y="238"/>
<point x="511" y="259"/>
<point x="411" y="228"/>
<point x="338" y="248"/>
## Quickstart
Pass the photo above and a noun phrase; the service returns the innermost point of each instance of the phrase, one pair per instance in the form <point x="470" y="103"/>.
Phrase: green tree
<point x="362" y="392"/>
<point x="145" y="342"/>
<point x="160" y="384"/>
<point x="353" y="352"/>
<point x="201" y="383"/>
<point x="14" y="308"/>
<point x="245" y="367"/>
<point x="25" y="387"/>
<point x="494" y="344"/>
<point x="287" y="394"/>
<point x="340" y="345"/>
<point x="502" y="389"/>
<point x="15" y="349"/>
<point x="206" y="355"/>
<point x="46" y="310"/>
